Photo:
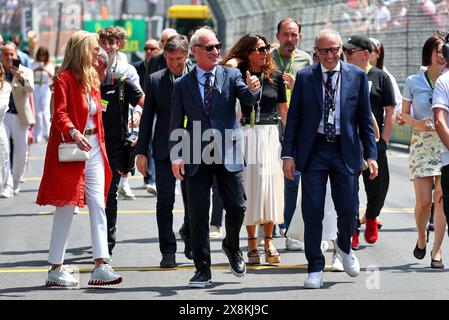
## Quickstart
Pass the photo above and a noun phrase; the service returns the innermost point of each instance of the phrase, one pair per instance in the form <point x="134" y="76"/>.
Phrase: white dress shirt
<point x="336" y="76"/>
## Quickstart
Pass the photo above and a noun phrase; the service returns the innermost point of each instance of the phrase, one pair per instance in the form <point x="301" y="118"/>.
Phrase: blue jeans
<point x="290" y="199"/>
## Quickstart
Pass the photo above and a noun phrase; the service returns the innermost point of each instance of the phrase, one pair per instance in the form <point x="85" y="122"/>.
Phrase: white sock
<point x="124" y="182"/>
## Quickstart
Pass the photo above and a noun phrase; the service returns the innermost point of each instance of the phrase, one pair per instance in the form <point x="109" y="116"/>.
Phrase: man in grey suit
<point x="207" y="97"/>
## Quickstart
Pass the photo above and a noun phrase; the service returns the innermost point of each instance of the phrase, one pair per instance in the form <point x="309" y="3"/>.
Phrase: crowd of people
<point x="269" y="116"/>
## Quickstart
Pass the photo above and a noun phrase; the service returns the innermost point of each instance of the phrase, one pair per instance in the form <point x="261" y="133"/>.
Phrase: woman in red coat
<point x="66" y="185"/>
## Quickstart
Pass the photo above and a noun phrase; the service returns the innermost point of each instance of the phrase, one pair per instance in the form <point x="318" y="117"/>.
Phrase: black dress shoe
<point x="236" y="263"/>
<point x="419" y="253"/>
<point x="201" y="279"/>
<point x="168" y="261"/>
<point x="436" y="264"/>
<point x="187" y="246"/>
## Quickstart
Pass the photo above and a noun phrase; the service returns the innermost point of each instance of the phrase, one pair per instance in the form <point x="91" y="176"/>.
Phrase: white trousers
<point x="42" y="108"/>
<point x="19" y="135"/>
<point x="94" y="191"/>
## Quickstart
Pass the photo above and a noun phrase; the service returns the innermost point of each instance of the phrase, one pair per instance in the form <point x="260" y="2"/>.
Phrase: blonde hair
<point x="78" y="59"/>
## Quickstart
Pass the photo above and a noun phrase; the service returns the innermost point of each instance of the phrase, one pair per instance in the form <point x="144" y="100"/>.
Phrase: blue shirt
<point x="12" y="106"/>
<point x="201" y="74"/>
<point x="418" y="91"/>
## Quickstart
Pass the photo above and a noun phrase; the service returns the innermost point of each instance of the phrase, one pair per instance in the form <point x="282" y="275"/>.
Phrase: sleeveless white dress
<point x="5" y="92"/>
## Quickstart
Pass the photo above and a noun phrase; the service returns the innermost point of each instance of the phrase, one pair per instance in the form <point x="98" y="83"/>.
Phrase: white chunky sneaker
<point x="337" y="265"/>
<point x="215" y="232"/>
<point x="314" y="280"/>
<point x="151" y="188"/>
<point x="293" y="244"/>
<point x="125" y="193"/>
<point x="104" y="276"/>
<point x="350" y="262"/>
<point x="61" y="277"/>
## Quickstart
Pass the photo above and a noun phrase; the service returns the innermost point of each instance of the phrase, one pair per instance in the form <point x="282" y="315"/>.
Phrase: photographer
<point x="117" y="93"/>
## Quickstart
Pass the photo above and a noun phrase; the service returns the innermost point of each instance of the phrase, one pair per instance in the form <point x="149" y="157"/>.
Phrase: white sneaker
<point x="125" y="193"/>
<point x="215" y="232"/>
<point x="108" y="260"/>
<point x="282" y="232"/>
<point x="151" y="188"/>
<point x="293" y="244"/>
<point x="104" y="276"/>
<point x="324" y="246"/>
<point x="61" y="277"/>
<point x="350" y="262"/>
<point x="7" y="193"/>
<point x="314" y="280"/>
<point x="16" y="191"/>
<point x="337" y="265"/>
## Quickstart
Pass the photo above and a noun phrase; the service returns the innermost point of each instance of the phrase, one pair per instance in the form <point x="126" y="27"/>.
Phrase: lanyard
<point x="327" y="92"/>
<point x="429" y="81"/>
<point x="172" y="77"/>
<point x="281" y="61"/>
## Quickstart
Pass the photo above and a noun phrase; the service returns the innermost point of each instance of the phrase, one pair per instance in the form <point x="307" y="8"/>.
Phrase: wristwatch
<point x="72" y="132"/>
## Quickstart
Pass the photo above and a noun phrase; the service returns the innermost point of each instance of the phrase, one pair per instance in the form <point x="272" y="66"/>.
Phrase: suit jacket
<point x="306" y="110"/>
<point x="156" y="64"/>
<point x="187" y="101"/>
<point x="157" y="101"/>
<point x="21" y="96"/>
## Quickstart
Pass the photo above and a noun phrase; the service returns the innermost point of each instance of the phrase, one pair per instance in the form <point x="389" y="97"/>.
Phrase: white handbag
<point x="69" y="152"/>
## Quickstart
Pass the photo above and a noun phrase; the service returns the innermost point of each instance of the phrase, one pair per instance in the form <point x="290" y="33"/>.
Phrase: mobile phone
<point x="16" y="63"/>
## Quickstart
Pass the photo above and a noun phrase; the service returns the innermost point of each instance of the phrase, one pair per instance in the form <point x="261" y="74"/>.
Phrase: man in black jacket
<point x="158" y="101"/>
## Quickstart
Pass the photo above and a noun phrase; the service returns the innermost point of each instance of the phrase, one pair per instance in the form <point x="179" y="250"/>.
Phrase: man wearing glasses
<point x="382" y="101"/>
<point x="207" y="96"/>
<point x="151" y="50"/>
<point x="328" y="122"/>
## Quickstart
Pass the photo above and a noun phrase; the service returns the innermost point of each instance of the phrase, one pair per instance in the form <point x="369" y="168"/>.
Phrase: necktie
<point x="329" y="108"/>
<point x="207" y="92"/>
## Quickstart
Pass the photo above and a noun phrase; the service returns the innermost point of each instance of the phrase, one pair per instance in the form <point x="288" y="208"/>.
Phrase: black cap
<point x="359" y="42"/>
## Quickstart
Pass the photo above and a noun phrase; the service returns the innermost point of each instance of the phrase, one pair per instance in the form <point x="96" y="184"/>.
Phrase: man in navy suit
<point x="329" y="131"/>
<point x="207" y="97"/>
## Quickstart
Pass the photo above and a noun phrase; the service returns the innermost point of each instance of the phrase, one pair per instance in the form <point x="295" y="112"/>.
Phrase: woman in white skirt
<point x="263" y="176"/>
<point x="5" y="92"/>
<point x="425" y="160"/>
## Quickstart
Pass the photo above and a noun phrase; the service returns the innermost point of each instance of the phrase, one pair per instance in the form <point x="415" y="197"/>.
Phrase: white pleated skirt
<point x="263" y="176"/>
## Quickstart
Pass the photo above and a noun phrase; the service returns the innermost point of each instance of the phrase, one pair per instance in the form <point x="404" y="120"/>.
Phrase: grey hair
<point x="328" y="32"/>
<point x="103" y="56"/>
<point x="11" y="44"/>
<point x="195" y="39"/>
<point x="177" y="42"/>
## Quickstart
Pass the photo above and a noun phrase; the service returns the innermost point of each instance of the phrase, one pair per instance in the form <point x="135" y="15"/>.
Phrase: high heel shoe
<point x="272" y="256"/>
<point x="253" y="254"/>
<point x="436" y="264"/>
<point x="419" y="253"/>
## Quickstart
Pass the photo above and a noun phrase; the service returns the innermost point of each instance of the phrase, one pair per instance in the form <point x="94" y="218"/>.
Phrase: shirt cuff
<point x="138" y="109"/>
<point x="283" y="158"/>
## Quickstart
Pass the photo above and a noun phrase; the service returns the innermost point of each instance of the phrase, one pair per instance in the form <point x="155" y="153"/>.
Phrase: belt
<point x="322" y="137"/>
<point x="91" y="132"/>
<point x="265" y="121"/>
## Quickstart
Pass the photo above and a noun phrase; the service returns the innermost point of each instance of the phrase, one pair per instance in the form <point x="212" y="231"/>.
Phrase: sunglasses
<point x="210" y="47"/>
<point x="323" y="51"/>
<point x="351" y="51"/>
<point x="263" y="49"/>
<point x="149" y="48"/>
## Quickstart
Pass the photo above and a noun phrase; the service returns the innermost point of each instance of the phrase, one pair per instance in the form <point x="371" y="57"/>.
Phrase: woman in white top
<point x="43" y="74"/>
<point x="5" y="92"/>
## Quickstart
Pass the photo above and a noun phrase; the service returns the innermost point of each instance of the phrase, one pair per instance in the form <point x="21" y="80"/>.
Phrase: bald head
<point x="167" y="33"/>
<point x="151" y="49"/>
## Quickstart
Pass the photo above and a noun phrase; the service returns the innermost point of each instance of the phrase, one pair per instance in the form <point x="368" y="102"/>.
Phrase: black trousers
<point x="111" y="203"/>
<point x="217" y="206"/>
<point x="230" y="185"/>
<point x="445" y="189"/>
<point x="376" y="190"/>
<point x="165" y="185"/>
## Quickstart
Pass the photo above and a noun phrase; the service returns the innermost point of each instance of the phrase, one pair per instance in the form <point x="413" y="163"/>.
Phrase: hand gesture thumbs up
<point x="252" y="82"/>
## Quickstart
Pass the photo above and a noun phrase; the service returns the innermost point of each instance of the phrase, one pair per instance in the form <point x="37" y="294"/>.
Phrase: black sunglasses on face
<point x="351" y="51"/>
<point x="149" y="48"/>
<point x="263" y="49"/>
<point x="210" y="47"/>
<point x="323" y="51"/>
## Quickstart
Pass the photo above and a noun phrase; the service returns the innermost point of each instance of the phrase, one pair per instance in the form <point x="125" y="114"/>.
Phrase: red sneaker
<point x="371" y="231"/>
<point x="355" y="240"/>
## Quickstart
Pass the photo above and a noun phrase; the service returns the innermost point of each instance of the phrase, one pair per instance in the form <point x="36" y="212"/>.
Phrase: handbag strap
<point x="85" y="128"/>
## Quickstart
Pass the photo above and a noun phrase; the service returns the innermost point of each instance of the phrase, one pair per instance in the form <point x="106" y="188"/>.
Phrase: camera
<point x="130" y="137"/>
<point x="16" y="63"/>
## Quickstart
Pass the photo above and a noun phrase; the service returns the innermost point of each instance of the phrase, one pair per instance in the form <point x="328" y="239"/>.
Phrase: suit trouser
<point x="19" y="135"/>
<point x="217" y="206"/>
<point x="165" y="185"/>
<point x="94" y="192"/>
<point x="230" y="185"/>
<point x="376" y="190"/>
<point x="325" y="161"/>
<point x="445" y="189"/>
